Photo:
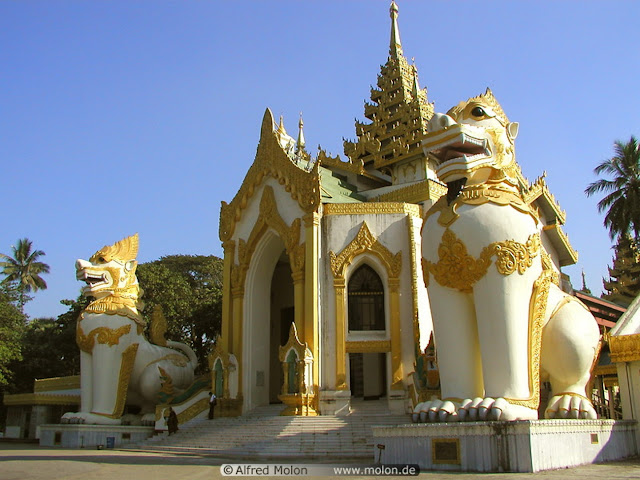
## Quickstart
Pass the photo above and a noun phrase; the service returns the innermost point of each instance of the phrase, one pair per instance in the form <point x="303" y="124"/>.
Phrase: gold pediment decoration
<point x="56" y="383"/>
<point x="271" y="161"/>
<point x="301" y="349"/>
<point x="269" y="217"/>
<point x="368" y="346"/>
<point x="218" y="353"/>
<point x="372" y="208"/>
<point x="103" y="335"/>
<point x="123" y="250"/>
<point x="365" y="242"/>
<point x="624" y="348"/>
<point x="459" y="270"/>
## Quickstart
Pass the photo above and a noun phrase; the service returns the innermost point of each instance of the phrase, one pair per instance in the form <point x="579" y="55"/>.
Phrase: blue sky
<point x="119" y="117"/>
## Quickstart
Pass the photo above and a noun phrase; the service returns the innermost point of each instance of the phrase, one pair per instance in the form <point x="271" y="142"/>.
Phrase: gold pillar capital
<point x="312" y="219"/>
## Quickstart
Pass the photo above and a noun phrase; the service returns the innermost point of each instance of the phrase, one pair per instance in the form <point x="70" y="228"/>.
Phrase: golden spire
<point x="281" y="129"/>
<point x="395" y="46"/>
<point x="300" y="143"/>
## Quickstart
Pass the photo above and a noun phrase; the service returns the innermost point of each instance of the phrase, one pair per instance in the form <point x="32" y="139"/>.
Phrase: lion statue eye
<point x="478" y="112"/>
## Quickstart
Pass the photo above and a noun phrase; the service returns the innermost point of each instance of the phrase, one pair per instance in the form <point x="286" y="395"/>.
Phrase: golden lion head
<point x="474" y="140"/>
<point x="111" y="270"/>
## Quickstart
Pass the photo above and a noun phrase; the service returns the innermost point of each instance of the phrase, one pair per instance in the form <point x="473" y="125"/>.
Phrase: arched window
<point x="366" y="300"/>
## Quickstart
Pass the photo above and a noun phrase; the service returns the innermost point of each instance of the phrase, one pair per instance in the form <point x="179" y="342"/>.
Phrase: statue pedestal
<point x="92" y="436"/>
<point x="524" y="446"/>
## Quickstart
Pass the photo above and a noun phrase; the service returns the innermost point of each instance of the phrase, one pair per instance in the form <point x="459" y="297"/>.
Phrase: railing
<point x="605" y="408"/>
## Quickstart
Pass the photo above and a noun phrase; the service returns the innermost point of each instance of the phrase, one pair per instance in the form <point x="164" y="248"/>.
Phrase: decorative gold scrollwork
<point x="103" y="335"/>
<point x="457" y="269"/>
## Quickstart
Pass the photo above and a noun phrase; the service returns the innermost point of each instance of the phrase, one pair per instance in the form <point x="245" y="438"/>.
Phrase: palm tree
<point x="622" y="202"/>
<point x="23" y="270"/>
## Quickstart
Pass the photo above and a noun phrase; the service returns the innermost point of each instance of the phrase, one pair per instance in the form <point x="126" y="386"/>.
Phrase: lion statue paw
<point x="88" y="418"/>
<point x="570" y="405"/>
<point x="471" y="410"/>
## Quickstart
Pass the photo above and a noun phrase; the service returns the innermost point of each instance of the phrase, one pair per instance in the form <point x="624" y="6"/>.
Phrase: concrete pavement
<point x="31" y="462"/>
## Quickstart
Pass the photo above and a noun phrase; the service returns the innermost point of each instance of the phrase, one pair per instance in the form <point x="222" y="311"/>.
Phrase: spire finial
<point x="395" y="46"/>
<point x="301" y="143"/>
<point x="584" y="283"/>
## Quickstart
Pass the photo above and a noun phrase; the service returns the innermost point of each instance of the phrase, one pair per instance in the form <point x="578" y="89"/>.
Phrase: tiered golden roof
<point x="399" y="112"/>
<point x="624" y="282"/>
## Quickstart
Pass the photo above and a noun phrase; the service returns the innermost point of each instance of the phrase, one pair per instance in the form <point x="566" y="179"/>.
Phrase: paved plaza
<point x="31" y="462"/>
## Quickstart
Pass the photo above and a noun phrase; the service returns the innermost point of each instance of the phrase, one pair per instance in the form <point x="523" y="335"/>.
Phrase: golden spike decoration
<point x="124" y="250"/>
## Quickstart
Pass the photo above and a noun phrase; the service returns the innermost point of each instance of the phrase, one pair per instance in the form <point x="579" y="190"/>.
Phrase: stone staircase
<point x="264" y="434"/>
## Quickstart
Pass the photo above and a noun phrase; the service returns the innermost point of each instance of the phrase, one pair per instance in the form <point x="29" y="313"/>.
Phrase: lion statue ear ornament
<point x="501" y="322"/>
<point x="118" y="364"/>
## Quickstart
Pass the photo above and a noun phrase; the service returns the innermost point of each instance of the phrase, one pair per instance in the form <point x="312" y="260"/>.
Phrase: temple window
<point x="366" y="300"/>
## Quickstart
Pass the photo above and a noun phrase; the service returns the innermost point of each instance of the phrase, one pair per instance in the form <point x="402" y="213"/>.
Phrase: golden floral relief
<point x="457" y="269"/>
<point x="103" y="335"/>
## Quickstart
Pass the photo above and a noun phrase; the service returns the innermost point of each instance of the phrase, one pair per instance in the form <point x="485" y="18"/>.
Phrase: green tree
<point x="48" y="348"/>
<point x="23" y="270"/>
<point x="622" y="200"/>
<point x="189" y="290"/>
<point x="12" y="322"/>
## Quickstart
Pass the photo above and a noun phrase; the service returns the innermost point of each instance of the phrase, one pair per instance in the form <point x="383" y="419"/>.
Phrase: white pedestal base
<point x="92" y="436"/>
<point x="524" y="446"/>
<point x="334" y="402"/>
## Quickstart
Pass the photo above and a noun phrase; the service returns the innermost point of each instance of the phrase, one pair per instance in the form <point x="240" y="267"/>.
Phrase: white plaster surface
<point x="84" y="436"/>
<point x="524" y="446"/>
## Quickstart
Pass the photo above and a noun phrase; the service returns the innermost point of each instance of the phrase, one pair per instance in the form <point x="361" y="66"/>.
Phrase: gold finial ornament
<point x="124" y="251"/>
<point x="395" y="45"/>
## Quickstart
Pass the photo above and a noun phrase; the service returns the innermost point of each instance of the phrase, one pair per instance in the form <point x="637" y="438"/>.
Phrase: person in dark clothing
<point x="213" y="400"/>
<point x="172" y="421"/>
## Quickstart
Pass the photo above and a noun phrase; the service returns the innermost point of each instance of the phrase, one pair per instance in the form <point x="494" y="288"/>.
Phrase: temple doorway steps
<point x="263" y="433"/>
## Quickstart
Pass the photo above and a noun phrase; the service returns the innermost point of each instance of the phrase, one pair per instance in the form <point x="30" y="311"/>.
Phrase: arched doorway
<point x="282" y="315"/>
<point x="267" y="293"/>
<point x="366" y="313"/>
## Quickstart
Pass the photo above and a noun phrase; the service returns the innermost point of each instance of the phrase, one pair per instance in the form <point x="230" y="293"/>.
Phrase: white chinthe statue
<point x="118" y="364"/>
<point x="501" y="323"/>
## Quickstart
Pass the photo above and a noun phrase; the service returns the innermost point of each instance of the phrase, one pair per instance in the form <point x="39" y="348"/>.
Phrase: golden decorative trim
<point x="40" y="399"/>
<point x="56" y="383"/>
<point x="125" y="250"/>
<point x="458" y="270"/>
<point x="514" y="256"/>
<point x="116" y="304"/>
<point x="503" y="194"/>
<point x="158" y="327"/>
<point x="268" y="218"/>
<point x="539" y="192"/>
<point x="103" y="335"/>
<point x="325" y="160"/>
<point x="537" y="311"/>
<point x="191" y="412"/>
<point x="368" y="346"/>
<point x="416" y="193"/>
<point x="126" y="367"/>
<point x="625" y="348"/>
<point x="219" y="353"/>
<point x="175" y="358"/>
<point x="293" y="342"/>
<point x="413" y="262"/>
<point x="271" y="161"/>
<point x="571" y="255"/>
<point x="605" y="370"/>
<point x="372" y="208"/>
<point x="365" y="242"/>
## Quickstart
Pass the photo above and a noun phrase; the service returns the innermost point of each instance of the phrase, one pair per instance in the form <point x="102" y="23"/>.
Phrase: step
<point x="263" y="433"/>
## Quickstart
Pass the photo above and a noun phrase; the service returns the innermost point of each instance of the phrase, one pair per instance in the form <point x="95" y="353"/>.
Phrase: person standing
<point x="213" y="400"/>
<point x="172" y="421"/>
